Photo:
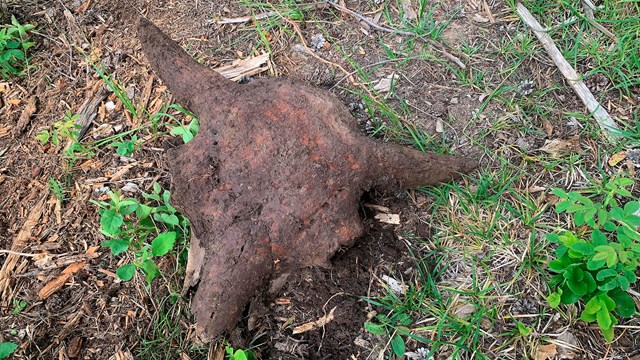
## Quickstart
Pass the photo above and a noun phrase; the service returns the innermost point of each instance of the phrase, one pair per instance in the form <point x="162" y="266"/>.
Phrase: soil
<point x="94" y="315"/>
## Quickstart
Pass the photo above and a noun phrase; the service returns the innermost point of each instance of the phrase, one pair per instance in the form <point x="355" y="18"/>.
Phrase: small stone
<point x="101" y="191"/>
<point x="526" y="87"/>
<point x="359" y="341"/>
<point x="131" y="188"/>
<point x="109" y="106"/>
<point x="318" y="41"/>
<point x="454" y="101"/>
<point x="634" y="156"/>
<point x="131" y="92"/>
<point x="523" y="144"/>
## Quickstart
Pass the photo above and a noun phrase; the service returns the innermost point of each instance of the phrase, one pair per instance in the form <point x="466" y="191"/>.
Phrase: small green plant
<point x="14" y="43"/>
<point x="18" y="306"/>
<point x="239" y="354"/>
<point x="6" y="349"/>
<point x="393" y="326"/>
<point x="148" y="229"/>
<point x="57" y="189"/>
<point x="63" y="129"/>
<point x="187" y="131"/>
<point x="126" y="148"/>
<point x="597" y="263"/>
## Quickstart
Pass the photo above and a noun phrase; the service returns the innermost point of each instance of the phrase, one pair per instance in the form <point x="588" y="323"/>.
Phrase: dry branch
<point x="601" y="115"/>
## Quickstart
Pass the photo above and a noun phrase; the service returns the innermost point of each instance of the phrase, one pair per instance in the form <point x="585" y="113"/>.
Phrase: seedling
<point x="148" y="230"/>
<point x="14" y="43"/>
<point x="126" y="148"/>
<point x="239" y="354"/>
<point x="57" y="190"/>
<point x="18" y="306"/>
<point x="65" y="129"/>
<point x="393" y="327"/>
<point x="597" y="263"/>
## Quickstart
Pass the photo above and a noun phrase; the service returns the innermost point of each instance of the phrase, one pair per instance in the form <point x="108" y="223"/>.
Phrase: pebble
<point x="318" y="41"/>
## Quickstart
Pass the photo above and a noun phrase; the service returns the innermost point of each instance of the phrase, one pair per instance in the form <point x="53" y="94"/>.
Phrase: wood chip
<point x="4" y="130"/>
<point x="57" y="283"/>
<point x="548" y="127"/>
<point x="244" y="67"/>
<point x="25" y="117"/>
<point x="321" y="322"/>
<point x="393" y="219"/>
<point x="557" y="147"/>
<point x="19" y="242"/>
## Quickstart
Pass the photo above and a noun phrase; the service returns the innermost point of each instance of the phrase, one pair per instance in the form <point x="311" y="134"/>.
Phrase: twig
<point x="11" y="252"/>
<point x="601" y="115"/>
<point x="244" y="19"/>
<point x="374" y="25"/>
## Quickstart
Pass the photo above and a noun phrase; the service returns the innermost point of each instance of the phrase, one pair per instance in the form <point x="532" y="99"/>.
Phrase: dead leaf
<point x="407" y="10"/>
<point x="556" y="147"/>
<point x="616" y="158"/>
<point x="379" y="208"/>
<point x="544" y="352"/>
<point x="315" y="324"/>
<point x="535" y="189"/>
<point x="394" y="285"/>
<point x="480" y="19"/>
<point x="384" y="85"/>
<point x="463" y="311"/>
<point x="548" y="128"/>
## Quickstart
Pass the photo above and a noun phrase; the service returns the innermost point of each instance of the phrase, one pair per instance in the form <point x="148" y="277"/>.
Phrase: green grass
<point x="167" y="336"/>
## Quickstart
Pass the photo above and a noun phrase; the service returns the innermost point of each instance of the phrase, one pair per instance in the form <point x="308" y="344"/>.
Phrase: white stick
<point x="601" y="115"/>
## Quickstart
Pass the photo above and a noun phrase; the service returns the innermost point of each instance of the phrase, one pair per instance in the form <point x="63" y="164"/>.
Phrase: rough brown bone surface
<point x="272" y="180"/>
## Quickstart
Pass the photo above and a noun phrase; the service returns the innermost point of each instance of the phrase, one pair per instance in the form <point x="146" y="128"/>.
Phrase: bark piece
<point x="273" y="179"/>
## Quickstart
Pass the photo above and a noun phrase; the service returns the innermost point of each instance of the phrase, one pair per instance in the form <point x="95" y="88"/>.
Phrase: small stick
<point x="601" y="115"/>
<point x="374" y="25"/>
<point x="244" y="19"/>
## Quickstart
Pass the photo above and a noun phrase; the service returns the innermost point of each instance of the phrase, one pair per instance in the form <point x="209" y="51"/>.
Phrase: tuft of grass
<point x="166" y="336"/>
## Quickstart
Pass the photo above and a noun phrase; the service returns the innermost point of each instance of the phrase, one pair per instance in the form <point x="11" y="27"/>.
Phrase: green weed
<point x="597" y="262"/>
<point x="238" y="354"/>
<point x="148" y="230"/>
<point x="6" y="349"/>
<point x="58" y="191"/>
<point x="18" y="306"/>
<point x="65" y="129"/>
<point x="14" y="43"/>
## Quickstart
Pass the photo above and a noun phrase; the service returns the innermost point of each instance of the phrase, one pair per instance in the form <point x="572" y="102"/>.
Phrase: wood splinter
<point x="272" y="181"/>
